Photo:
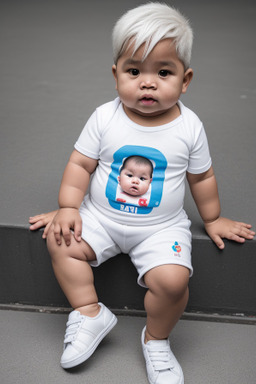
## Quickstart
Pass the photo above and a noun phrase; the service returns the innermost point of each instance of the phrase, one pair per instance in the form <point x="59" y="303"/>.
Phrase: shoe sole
<point x="80" y="359"/>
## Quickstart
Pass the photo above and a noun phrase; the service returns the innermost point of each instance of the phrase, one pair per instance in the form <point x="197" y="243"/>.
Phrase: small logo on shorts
<point x="176" y="247"/>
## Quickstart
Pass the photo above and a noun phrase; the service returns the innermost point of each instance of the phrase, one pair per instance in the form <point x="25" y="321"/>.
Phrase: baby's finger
<point x="33" y="219"/>
<point x="57" y="233"/>
<point x="78" y="231"/>
<point x="46" y="230"/>
<point x="245" y="232"/>
<point x="249" y="235"/>
<point x="245" y="225"/>
<point x="236" y="238"/>
<point x="218" y="241"/>
<point x="66" y="235"/>
<point x="36" y="225"/>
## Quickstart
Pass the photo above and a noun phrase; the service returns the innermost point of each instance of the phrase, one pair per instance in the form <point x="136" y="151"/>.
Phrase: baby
<point x="152" y="48"/>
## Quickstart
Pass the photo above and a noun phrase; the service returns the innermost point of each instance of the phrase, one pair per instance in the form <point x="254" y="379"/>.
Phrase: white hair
<point x="149" y="24"/>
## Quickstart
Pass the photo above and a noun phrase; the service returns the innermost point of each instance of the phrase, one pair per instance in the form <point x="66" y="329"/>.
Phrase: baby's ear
<point x="114" y="70"/>
<point x="114" y="73"/>
<point x="188" y="75"/>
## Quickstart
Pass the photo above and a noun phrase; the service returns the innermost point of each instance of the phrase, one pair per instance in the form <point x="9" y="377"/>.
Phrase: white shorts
<point x="148" y="246"/>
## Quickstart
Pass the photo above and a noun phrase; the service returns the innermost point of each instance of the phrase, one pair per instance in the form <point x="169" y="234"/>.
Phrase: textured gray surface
<point x="31" y="345"/>
<point x="55" y="68"/>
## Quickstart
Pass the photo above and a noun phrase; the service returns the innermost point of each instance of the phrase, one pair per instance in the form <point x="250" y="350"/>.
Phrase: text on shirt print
<point x="135" y="184"/>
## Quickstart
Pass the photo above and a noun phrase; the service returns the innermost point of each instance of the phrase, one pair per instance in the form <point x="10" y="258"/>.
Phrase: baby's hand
<point x="229" y="229"/>
<point x="66" y="221"/>
<point x="42" y="220"/>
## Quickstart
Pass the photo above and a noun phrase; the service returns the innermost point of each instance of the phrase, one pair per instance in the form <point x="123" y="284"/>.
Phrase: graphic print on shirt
<point x="135" y="184"/>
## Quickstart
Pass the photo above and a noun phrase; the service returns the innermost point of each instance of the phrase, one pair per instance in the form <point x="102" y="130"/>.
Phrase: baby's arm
<point x="205" y="193"/>
<point x="73" y="187"/>
<point x="42" y="220"/>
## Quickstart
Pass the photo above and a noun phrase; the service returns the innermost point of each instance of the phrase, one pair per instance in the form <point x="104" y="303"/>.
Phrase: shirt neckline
<point x="154" y="128"/>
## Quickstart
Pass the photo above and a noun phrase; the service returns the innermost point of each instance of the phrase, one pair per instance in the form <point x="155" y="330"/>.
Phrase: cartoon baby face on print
<point x="136" y="181"/>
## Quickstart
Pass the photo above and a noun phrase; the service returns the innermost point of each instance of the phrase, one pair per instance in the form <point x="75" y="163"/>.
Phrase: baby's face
<point x="135" y="178"/>
<point x="150" y="89"/>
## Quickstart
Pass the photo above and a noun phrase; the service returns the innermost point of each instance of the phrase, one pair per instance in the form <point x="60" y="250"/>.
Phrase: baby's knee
<point x="76" y="250"/>
<point x="56" y="250"/>
<point x="170" y="280"/>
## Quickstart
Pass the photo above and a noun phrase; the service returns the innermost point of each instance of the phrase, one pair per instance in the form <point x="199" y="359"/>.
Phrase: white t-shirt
<point x="173" y="149"/>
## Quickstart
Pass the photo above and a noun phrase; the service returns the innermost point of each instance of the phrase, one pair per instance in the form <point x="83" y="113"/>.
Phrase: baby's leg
<point x="74" y="274"/>
<point x="165" y="300"/>
<point x="90" y="321"/>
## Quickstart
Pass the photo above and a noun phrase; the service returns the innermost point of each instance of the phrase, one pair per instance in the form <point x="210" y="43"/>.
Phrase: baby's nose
<point x="148" y="84"/>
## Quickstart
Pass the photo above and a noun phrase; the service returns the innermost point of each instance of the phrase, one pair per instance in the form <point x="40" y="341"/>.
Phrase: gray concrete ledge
<point x="238" y="318"/>
<point x="223" y="282"/>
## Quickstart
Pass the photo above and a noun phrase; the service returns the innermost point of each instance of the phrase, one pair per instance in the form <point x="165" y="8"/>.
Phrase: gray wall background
<point x="55" y="68"/>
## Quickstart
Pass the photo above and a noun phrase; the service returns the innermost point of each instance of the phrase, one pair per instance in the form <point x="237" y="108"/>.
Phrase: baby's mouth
<point x="133" y="190"/>
<point x="147" y="100"/>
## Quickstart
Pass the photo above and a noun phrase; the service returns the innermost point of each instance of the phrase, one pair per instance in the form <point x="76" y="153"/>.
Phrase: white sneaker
<point x="83" y="335"/>
<point x="162" y="366"/>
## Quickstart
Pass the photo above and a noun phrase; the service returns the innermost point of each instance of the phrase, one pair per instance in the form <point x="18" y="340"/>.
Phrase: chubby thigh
<point x="148" y="246"/>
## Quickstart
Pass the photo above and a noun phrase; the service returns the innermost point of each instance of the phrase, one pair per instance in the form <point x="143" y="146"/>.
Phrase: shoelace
<point x="161" y="359"/>
<point x="72" y="329"/>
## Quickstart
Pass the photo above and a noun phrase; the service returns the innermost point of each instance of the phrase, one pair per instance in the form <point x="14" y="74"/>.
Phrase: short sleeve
<point x="200" y="159"/>
<point x="88" y="142"/>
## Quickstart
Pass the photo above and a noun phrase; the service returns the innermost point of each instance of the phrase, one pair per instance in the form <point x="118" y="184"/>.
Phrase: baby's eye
<point x="134" y="71"/>
<point x="164" y="73"/>
<point x="129" y="175"/>
<point x="142" y="179"/>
